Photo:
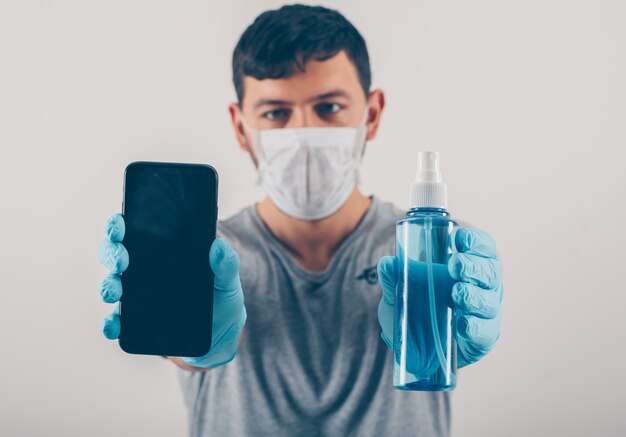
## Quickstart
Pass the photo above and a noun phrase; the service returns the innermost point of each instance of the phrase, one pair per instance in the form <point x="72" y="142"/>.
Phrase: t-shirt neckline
<point x="309" y="275"/>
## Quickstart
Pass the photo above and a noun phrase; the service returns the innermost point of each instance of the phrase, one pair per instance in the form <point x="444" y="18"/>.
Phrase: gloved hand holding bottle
<point x="229" y="314"/>
<point x="476" y="294"/>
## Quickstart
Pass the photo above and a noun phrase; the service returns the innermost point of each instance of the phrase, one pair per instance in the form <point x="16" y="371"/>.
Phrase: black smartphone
<point x="170" y="212"/>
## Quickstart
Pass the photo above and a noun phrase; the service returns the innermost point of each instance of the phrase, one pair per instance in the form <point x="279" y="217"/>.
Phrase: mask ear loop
<point x="362" y="135"/>
<point x="254" y="133"/>
<point x="365" y="114"/>
<point x="363" y="130"/>
<point x="245" y="126"/>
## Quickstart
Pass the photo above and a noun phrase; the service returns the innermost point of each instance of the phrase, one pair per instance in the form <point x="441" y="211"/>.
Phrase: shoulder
<point x="245" y="231"/>
<point x="240" y="229"/>
<point x="382" y="229"/>
<point x="388" y="211"/>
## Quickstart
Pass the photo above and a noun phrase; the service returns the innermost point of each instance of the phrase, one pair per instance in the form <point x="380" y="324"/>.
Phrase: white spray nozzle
<point x="428" y="167"/>
<point x="428" y="191"/>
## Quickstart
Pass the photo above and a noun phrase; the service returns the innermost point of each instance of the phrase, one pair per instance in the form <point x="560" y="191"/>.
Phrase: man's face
<point x="327" y="93"/>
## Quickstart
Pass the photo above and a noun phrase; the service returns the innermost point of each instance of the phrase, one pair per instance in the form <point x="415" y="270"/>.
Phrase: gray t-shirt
<point x="312" y="361"/>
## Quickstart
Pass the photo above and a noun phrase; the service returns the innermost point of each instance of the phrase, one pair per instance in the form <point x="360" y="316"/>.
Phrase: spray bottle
<point x="424" y="342"/>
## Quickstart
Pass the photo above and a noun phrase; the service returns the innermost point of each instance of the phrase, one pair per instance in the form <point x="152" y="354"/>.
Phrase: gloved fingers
<point x="111" y="288"/>
<point x="385" y="320"/>
<point x="387" y="278"/>
<point x="477" y="301"/>
<point x="474" y="241"/>
<point x="115" y="228"/>
<point x="111" y="325"/>
<point x="476" y="336"/>
<point x="484" y="272"/>
<point x="113" y="256"/>
<point x="225" y="265"/>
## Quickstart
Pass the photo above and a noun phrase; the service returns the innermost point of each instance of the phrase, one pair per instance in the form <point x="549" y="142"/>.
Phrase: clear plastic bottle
<point x="424" y="343"/>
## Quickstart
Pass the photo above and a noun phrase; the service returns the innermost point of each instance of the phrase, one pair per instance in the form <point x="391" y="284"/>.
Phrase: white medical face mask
<point x="309" y="172"/>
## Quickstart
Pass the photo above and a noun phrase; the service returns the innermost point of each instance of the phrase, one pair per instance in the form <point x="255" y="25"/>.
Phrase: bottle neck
<point x="422" y="211"/>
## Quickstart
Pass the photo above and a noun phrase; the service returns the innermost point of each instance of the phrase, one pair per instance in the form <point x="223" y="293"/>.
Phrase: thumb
<point x="387" y="278"/>
<point x="225" y="265"/>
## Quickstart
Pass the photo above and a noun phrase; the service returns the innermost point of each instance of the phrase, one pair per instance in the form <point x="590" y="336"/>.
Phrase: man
<point x="310" y="358"/>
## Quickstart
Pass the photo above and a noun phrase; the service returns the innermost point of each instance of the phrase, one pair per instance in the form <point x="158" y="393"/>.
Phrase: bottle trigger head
<point x="428" y="190"/>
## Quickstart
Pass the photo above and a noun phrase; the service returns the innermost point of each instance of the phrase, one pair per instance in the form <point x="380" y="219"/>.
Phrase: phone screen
<point x="170" y="212"/>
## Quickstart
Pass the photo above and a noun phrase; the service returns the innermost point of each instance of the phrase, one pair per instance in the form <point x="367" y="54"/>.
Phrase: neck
<point x="313" y="243"/>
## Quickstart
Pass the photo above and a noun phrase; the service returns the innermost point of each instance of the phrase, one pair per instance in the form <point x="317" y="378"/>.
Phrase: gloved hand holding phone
<point x="229" y="311"/>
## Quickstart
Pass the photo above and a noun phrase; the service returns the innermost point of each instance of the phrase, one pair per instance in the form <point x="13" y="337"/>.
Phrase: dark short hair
<point x="278" y="41"/>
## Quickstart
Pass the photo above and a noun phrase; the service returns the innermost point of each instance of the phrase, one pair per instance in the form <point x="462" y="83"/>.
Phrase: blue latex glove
<point x="476" y="296"/>
<point x="229" y="312"/>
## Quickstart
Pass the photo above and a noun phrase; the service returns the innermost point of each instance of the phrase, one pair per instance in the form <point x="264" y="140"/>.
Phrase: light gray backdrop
<point x="525" y="100"/>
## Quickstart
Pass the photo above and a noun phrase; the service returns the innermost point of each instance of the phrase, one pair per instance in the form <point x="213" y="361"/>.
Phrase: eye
<point x="277" y="114"/>
<point x="326" y="109"/>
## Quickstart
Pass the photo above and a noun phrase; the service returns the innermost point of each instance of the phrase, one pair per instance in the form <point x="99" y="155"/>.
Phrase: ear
<point x="376" y="102"/>
<point x="235" y="117"/>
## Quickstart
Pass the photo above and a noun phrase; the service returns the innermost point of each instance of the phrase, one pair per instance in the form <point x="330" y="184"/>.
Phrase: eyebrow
<point x="328" y="95"/>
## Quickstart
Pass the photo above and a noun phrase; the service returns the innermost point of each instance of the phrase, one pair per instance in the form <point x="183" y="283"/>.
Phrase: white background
<point x="525" y="100"/>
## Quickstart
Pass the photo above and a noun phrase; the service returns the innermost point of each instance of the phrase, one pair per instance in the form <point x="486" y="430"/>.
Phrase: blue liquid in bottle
<point x="424" y="343"/>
